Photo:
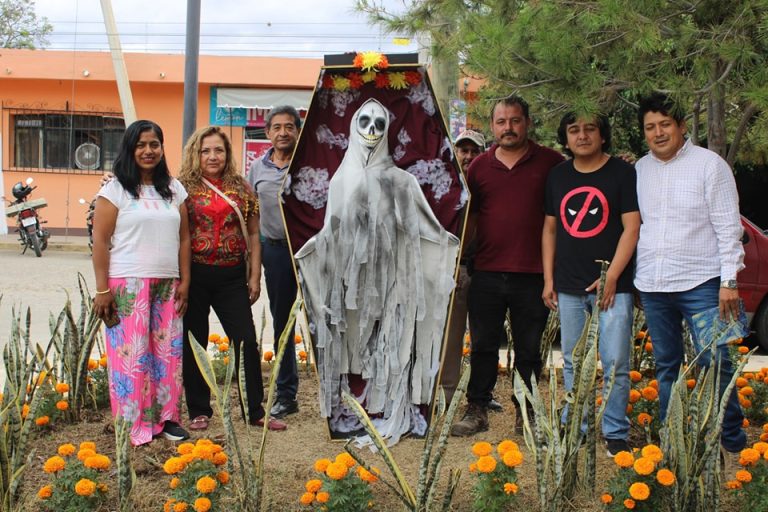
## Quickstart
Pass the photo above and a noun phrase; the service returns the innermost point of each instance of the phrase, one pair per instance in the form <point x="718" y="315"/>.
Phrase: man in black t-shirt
<point x="592" y="214"/>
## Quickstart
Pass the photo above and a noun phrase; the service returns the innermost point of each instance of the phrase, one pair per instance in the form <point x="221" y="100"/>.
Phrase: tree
<point x="599" y="55"/>
<point x="20" y="27"/>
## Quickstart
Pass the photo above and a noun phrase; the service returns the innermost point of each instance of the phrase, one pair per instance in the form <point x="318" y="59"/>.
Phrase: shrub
<point x="198" y="477"/>
<point x="77" y="479"/>
<point x="495" y="475"/>
<point x="342" y="486"/>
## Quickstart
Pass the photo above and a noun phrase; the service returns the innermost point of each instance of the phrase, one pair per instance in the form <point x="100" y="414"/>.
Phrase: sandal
<point x="199" y="423"/>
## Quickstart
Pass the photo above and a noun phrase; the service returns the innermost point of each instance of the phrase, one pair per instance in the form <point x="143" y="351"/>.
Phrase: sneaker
<point x="475" y="420"/>
<point x="174" y="432"/>
<point x="614" y="446"/>
<point x="495" y="406"/>
<point x="283" y="408"/>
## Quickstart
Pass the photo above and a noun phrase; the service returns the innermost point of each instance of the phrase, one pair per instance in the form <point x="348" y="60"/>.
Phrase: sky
<point x="286" y="28"/>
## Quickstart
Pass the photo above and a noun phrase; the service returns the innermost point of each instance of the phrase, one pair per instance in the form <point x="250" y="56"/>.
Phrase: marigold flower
<point x="764" y="437"/>
<point x="102" y="487"/>
<point x="322" y="497"/>
<point x="214" y="338"/>
<point x="42" y="421"/>
<point x="482" y="448"/>
<point x="639" y="491"/>
<point x="382" y="80"/>
<point x="346" y="459"/>
<point x="321" y="465"/>
<point x="85" y="487"/>
<point x="174" y="465"/>
<point x="644" y="419"/>
<point x="202" y="504"/>
<point x="761" y="447"/>
<point x="302" y="355"/>
<point x="103" y="361"/>
<point x="97" y="462"/>
<point x="45" y="492"/>
<point x="336" y="470"/>
<point x="187" y="458"/>
<point x="665" y="477"/>
<point x="599" y="400"/>
<point x="222" y="477"/>
<point x="634" y="396"/>
<point x="650" y="393"/>
<point x="313" y="485"/>
<point x="486" y="464"/>
<point x="24" y="411"/>
<point x="743" y="476"/>
<point x="473" y="467"/>
<point x="653" y="452"/>
<point x="413" y="77"/>
<point x="54" y="464"/>
<point x="67" y="449"/>
<point x="307" y="498"/>
<point x="62" y="405"/>
<point x="750" y="456"/>
<point x="733" y="484"/>
<point x="644" y="466"/>
<point x="206" y="485"/>
<point x="168" y="505"/>
<point x="743" y="349"/>
<point x="640" y="335"/>
<point x="512" y="458"/>
<point x="510" y="488"/>
<point x="507" y="445"/>
<point x="365" y="475"/>
<point x="654" y="384"/>
<point x="297" y="338"/>
<point x="606" y="498"/>
<point x="268" y="355"/>
<point x="84" y="453"/>
<point x="745" y="423"/>
<point x="635" y="376"/>
<point x="690" y="383"/>
<point x="648" y="347"/>
<point x="624" y="459"/>
<point x="629" y="406"/>
<point x="185" y="448"/>
<point x="93" y="364"/>
<point x="180" y="507"/>
<point x="747" y="391"/>
<point x="398" y="81"/>
<point x="174" y="483"/>
<point x="88" y="445"/>
<point x="202" y="452"/>
<point x="62" y="387"/>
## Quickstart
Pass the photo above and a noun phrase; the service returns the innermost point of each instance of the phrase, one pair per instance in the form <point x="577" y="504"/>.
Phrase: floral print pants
<point x="144" y="355"/>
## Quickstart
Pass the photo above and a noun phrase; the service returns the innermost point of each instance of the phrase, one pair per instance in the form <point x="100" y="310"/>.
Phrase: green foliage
<point x="641" y="480"/>
<point x="495" y="488"/>
<point x="753" y="495"/>
<point x="199" y="480"/>
<point x="20" y="27"/>
<point x="78" y="481"/>
<point x="339" y="488"/>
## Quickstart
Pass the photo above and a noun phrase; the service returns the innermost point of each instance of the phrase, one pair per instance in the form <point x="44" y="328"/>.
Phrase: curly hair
<point x="191" y="175"/>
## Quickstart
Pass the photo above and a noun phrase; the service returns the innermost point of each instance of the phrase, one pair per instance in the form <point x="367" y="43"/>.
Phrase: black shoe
<point x="283" y="408"/>
<point x="174" y="432"/>
<point x="614" y="446"/>
<point x="495" y="406"/>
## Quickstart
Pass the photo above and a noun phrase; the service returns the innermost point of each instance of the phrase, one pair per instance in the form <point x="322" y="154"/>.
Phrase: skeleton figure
<point x="377" y="280"/>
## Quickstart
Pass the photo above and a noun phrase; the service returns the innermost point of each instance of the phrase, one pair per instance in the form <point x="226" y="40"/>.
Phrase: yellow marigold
<point x="486" y="464"/>
<point x="54" y="464"/>
<point x="174" y="483"/>
<point x="62" y="387"/>
<point x="644" y="419"/>
<point x="336" y="470"/>
<point x="202" y="505"/>
<point x="307" y="498"/>
<point x="67" y="449"/>
<point x="624" y="459"/>
<point x="653" y="452"/>
<point x="634" y="396"/>
<point x="743" y="476"/>
<point x="97" y="462"/>
<point x="750" y="456"/>
<point x="180" y="507"/>
<point x="507" y="445"/>
<point x="322" y="497"/>
<point x="103" y="361"/>
<point x="510" y="488"/>
<point x="45" y="492"/>
<point x="665" y="477"/>
<point x="639" y="491"/>
<point x="365" y="475"/>
<point x="346" y="459"/>
<point x="321" y="465"/>
<point x="85" y="487"/>
<point x="482" y="448"/>
<point x="268" y="355"/>
<point x="650" y="393"/>
<point x="635" y="376"/>
<point x="219" y="458"/>
<point x="206" y="485"/>
<point x="174" y="465"/>
<point x="185" y="448"/>
<point x="629" y="503"/>
<point x="761" y="447"/>
<point x="93" y="364"/>
<point x="733" y="484"/>
<point x="644" y="466"/>
<point x="84" y="453"/>
<point x="606" y="498"/>
<point x="42" y="421"/>
<point x="222" y="477"/>
<point x="24" y="411"/>
<point x="512" y="458"/>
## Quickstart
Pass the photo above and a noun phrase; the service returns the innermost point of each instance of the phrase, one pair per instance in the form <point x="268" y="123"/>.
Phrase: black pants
<point x="226" y="290"/>
<point x="281" y="290"/>
<point x="491" y="294"/>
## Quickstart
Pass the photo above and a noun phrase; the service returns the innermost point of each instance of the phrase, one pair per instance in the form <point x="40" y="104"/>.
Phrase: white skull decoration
<point x="372" y="123"/>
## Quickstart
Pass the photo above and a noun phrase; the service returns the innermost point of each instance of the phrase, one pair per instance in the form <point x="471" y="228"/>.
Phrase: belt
<point x="282" y="242"/>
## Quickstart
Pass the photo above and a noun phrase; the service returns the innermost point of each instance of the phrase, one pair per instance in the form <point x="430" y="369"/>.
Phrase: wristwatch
<point x="731" y="284"/>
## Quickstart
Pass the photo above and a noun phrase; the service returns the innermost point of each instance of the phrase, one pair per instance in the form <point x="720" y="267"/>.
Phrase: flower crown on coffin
<point x="371" y="65"/>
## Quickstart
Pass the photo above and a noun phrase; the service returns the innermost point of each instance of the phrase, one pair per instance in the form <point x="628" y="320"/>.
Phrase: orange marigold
<point x="743" y="349"/>
<point x="322" y="497"/>
<point x="336" y="470"/>
<point x="635" y="376"/>
<point x="473" y="467"/>
<point x="174" y="483"/>
<point x="606" y="498"/>
<point x="45" y="492"/>
<point x="629" y="503"/>
<point x="85" y="487"/>
<point x="103" y="361"/>
<point x="206" y="485"/>
<point x="649" y="347"/>
<point x="313" y="485"/>
<point x="507" y="445"/>
<point x="733" y="484"/>
<point x="307" y="498"/>
<point x="741" y="382"/>
<point x="634" y="396"/>
<point x="511" y="488"/>
<point x="202" y="505"/>
<point x="268" y="355"/>
<point x="665" y="477"/>
<point x="745" y="423"/>
<point x="54" y="464"/>
<point x="750" y="456"/>
<point x="747" y="391"/>
<point x="185" y="448"/>
<point x="465" y="351"/>
<point x="654" y="384"/>
<point x="482" y="448"/>
<point x="180" y="507"/>
<point x="88" y="445"/>
<point x="650" y="393"/>
<point x="624" y="459"/>
<point x="761" y="447"/>
<point x="346" y="459"/>
<point x="743" y="476"/>
<point x="512" y="458"/>
<point x="302" y="355"/>
<point x="644" y="419"/>
<point x="42" y="421"/>
<point x="93" y="364"/>
<point x="644" y="466"/>
<point x="321" y="465"/>
<point x="214" y="338"/>
<point x="222" y="477"/>
<point x="486" y="464"/>
<point x="639" y="491"/>
<point x="629" y="406"/>
<point x="67" y="449"/>
<point x="219" y="458"/>
<point x="653" y="452"/>
<point x="365" y="475"/>
<point x="24" y="411"/>
<point x="690" y="383"/>
<point x="97" y="462"/>
<point x="174" y="465"/>
<point x="84" y="453"/>
<point x="62" y="387"/>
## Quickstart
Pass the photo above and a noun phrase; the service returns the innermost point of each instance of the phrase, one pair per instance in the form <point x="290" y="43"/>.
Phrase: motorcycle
<point x="89" y="220"/>
<point x="28" y="223"/>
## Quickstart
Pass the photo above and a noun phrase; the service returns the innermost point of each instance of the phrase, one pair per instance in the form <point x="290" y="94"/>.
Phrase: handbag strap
<point x="233" y="204"/>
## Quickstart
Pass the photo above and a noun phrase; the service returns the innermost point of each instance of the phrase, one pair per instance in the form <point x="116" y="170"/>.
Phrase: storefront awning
<point x="262" y="98"/>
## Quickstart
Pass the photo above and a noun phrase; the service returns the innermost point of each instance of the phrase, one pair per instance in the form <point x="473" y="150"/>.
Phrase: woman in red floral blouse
<point x="219" y="272"/>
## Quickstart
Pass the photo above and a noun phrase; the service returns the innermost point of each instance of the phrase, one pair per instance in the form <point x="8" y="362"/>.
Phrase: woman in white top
<point x="141" y="258"/>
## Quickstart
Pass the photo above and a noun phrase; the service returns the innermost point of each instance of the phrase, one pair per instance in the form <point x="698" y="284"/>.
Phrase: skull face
<point x="372" y="123"/>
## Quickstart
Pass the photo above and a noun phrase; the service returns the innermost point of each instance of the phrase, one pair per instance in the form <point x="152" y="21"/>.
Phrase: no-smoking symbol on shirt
<point x="584" y="212"/>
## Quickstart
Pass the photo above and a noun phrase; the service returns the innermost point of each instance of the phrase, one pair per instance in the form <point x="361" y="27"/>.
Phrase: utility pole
<point x="118" y="63"/>
<point x="191" y="60"/>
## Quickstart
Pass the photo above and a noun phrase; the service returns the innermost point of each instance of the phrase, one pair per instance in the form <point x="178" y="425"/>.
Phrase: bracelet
<point x="103" y="292"/>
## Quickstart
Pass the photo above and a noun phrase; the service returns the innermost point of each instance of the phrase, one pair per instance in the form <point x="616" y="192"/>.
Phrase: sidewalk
<point x="55" y="242"/>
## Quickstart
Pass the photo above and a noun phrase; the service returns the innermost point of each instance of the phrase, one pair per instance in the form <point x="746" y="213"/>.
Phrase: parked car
<point x="753" y="280"/>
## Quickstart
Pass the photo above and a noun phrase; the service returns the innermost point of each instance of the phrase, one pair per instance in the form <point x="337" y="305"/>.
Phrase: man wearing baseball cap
<point x="468" y="144"/>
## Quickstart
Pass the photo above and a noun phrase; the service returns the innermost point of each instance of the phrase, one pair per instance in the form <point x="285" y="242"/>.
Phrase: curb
<point x="52" y="246"/>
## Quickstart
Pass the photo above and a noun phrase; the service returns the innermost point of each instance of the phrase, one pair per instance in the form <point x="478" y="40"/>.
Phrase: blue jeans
<point x="614" y="346"/>
<point x="664" y="313"/>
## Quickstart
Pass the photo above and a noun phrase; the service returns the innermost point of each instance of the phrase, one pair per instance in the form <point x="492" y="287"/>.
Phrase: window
<point x="65" y="140"/>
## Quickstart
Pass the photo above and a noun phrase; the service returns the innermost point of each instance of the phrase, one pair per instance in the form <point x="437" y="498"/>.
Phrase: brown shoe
<point x="475" y="420"/>
<point x="273" y="424"/>
<point x="199" y="423"/>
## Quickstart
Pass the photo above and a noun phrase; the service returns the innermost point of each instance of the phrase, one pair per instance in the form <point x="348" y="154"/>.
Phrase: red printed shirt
<point x="217" y="238"/>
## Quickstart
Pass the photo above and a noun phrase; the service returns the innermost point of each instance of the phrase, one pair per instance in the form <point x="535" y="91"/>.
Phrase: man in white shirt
<point x="689" y="249"/>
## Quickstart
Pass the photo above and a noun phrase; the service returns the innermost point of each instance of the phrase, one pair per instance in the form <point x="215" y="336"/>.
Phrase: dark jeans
<point x="491" y="294"/>
<point x="664" y="313"/>
<point x="281" y="290"/>
<point x="226" y="290"/>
